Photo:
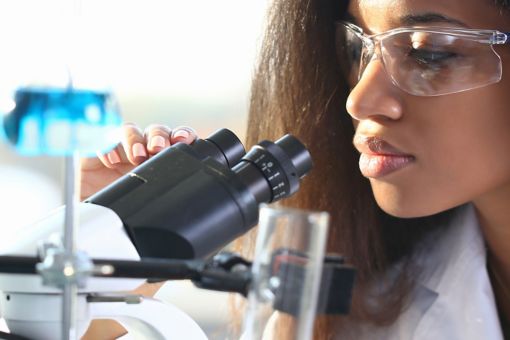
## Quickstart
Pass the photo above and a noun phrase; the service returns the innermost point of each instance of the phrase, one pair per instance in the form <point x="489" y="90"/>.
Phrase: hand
<point x="135" y="148"/>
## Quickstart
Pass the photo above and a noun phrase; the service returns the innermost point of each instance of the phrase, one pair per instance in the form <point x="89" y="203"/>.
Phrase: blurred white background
<point x="172" y="62"/>
<point x="176" y="62"/>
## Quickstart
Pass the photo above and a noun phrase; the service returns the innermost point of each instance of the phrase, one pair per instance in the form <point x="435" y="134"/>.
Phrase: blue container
<point x="59" y="121"/>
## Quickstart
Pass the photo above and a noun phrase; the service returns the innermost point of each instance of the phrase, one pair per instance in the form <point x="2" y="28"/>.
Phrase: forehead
<point x="380" y="15"/>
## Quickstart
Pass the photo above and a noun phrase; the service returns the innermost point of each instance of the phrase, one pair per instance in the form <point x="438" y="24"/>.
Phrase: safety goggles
<point x="424" y="61"/>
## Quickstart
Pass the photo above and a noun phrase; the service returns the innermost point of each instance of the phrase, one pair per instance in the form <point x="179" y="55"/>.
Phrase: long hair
<point x="298" y="88"/>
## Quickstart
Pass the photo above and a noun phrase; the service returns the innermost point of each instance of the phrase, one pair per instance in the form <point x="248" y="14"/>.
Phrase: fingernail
<point x="157" y="142"/>
<point x="181" y="134"/>
<point x="139" y="150"/>
<point x="113" y="157"/>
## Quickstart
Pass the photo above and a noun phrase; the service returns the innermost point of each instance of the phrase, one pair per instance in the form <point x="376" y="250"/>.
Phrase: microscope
<point x="163" y="220"/>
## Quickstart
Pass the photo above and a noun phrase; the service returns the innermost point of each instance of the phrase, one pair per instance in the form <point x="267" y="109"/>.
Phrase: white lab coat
<point x="454" y="300"/>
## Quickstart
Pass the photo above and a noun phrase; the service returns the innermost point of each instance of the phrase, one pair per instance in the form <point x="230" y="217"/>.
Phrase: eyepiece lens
<point x="298" y="154"/>
<point x="228" y="143"/>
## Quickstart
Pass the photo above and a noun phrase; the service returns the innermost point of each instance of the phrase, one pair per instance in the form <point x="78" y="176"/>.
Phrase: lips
<point x="379" y="158"/>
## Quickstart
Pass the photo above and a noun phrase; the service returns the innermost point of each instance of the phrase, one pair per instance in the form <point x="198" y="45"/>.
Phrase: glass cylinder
<point x="287" y="270"/>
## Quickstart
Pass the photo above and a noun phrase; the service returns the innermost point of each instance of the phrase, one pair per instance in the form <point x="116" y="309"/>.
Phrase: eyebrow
<point x="415" y="19"/>
<point x="427" y="18"/>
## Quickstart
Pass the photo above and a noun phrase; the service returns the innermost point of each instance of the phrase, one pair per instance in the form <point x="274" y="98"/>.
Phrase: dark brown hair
<point x="298" y="88"/>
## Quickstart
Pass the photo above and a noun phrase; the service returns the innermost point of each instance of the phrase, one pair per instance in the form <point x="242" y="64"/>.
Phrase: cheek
<point x="458" y="158"/>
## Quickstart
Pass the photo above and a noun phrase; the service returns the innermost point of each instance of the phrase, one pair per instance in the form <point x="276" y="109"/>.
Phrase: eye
<point x="428" y="49"/>
<point x="427" y="57"/>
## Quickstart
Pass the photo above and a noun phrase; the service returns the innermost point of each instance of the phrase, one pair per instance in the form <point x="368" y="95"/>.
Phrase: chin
<point x="407" y="208"/>
<point x="414" y="199"/>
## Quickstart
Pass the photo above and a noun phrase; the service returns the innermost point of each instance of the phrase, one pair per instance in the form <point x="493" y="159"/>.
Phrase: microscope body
<point x="171" y="205"/>
<point x="186" y="202"/>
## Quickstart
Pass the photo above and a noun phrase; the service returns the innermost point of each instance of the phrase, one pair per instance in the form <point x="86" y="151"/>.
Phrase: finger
<point x="133" y="144"/>
<point x="157" y="137"/>
<point x="183" y="134"/>
<point x="110" y="159"/>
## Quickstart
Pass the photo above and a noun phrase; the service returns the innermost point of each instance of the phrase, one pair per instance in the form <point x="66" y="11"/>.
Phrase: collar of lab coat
<point x="454" y="295"/>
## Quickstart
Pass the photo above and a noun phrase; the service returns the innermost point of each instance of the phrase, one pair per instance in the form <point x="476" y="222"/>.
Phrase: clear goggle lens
<point x="421" y="62"/>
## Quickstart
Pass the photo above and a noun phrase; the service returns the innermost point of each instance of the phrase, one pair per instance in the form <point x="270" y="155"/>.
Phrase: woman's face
<point x="421" y="154"/>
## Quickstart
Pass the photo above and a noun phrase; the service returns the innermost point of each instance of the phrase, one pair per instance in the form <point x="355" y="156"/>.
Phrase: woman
<point x="426" y="105"/>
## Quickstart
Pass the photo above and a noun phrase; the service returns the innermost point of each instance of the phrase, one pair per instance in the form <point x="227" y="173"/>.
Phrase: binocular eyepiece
<point x="188" y="201"/>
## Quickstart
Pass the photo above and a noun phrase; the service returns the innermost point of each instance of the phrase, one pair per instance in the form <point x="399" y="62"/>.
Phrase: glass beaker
<point x="287" y="269"/>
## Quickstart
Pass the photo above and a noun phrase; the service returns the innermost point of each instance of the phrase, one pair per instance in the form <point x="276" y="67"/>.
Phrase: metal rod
<point x="71" y="201"/>
<point x="69" y="312"/>
<point x="144" y="269"/>
<point x="70" y="226"/>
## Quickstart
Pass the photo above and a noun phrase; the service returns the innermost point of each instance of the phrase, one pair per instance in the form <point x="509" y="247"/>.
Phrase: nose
<point x="375" y="96"/>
